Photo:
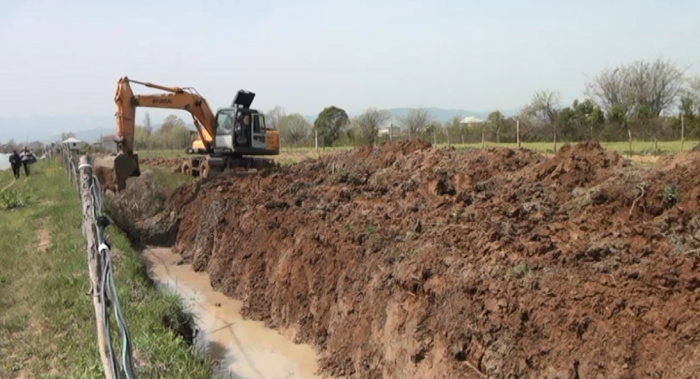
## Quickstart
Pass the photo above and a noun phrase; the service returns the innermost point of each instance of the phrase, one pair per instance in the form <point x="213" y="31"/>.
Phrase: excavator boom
<point x="119" y="168"/>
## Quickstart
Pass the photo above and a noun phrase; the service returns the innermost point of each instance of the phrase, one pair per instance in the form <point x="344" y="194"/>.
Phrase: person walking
<point x="26" y="158"/>
<point x="15" y="162"/>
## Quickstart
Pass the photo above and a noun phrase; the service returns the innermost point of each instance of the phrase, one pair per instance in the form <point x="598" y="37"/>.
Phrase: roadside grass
<point x="166" y="178"/>
<point x="47" y="325"/>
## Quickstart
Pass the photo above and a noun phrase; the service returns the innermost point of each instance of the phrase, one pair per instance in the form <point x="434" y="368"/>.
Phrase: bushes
<point x="10" y="199"/>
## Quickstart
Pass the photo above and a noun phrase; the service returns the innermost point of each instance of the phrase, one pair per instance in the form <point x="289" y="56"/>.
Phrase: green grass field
<point x="47" y="325"/>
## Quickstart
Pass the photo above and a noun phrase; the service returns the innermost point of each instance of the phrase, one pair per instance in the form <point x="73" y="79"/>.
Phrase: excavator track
<point x="205" y="167"/>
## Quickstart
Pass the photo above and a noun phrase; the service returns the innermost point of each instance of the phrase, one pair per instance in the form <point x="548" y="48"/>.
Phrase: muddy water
<point x="245" y="349"/>
<point x="4" y="161"/>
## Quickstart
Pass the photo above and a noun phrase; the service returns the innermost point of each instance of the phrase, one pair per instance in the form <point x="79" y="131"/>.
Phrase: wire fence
<point x="119" y="363"/>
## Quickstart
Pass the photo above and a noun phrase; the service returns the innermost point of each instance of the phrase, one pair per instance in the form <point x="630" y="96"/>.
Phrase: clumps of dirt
<point x="410" y="261"/>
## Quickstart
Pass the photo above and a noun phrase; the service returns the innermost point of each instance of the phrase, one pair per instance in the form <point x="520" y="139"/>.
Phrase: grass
<point x="166" y="178"/>
<point x="11" y="198"/>
<point x="47" y="325"/>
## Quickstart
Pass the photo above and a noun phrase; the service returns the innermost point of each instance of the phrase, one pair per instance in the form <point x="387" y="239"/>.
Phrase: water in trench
<point x="245" y="349"/>
<point x="4" y="161"/>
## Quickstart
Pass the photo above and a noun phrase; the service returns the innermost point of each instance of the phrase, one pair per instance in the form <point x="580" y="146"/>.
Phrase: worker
<point x="15" y="162"/>
<point x="26" y="158"/>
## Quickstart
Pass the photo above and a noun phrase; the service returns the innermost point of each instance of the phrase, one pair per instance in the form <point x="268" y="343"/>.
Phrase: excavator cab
<point x="241" y="130"/>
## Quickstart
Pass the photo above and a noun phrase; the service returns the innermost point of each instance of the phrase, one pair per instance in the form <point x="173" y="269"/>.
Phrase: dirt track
<point x="411" y="262"/>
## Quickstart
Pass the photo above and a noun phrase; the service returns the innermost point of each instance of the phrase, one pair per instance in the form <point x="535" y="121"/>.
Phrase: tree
<point x="495" y="122"/>
<point x="416" y="121"/>
<point x="330" y="123"/>
<point x="589" y="116"/>
<point x="581" y="120"/>
<point x="546" y="105"/>
<point x="566" y="119"/>
<point x="148" y="128"/>
<point x="367" y="125"/>
<point x="273" y="117"/>
<point x="169" y="123"/>
<point x="65" y="136"/>
<point x="294" y="128"/>
<point x="141" y="137"/>
<point x="645" y="88"/>
<point x="179" y="136"/>
<point x="691" y="121"/>
<point x="609" y="87"/>
<point x="453" y="130"/>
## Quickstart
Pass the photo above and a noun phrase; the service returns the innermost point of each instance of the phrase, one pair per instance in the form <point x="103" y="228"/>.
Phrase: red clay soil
<point x="406" y="261"/>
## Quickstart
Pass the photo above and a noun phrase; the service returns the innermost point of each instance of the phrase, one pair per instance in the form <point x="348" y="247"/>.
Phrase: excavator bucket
<point x="113" y="171"/>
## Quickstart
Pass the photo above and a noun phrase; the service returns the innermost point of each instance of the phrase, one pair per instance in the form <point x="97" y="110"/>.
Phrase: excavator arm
<point x="125" y="163"/>
<point x="177" y="98"/>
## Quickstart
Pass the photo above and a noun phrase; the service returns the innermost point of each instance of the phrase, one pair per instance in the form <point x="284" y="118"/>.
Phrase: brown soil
<point x="406" y="261"/>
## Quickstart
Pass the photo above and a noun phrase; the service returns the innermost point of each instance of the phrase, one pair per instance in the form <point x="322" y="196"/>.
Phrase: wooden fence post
<point x="483" y="137"/>
<point x="94" y="265"/>
<point x="682" y="131"/>
<point x="629" y="133"/>
<point x="517" y="132"/>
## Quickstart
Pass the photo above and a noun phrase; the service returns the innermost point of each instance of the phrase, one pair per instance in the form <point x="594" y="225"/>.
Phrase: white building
<point x="73" y="143"/>
<point x="471" y="120"/>
<point x="390" y="130"/>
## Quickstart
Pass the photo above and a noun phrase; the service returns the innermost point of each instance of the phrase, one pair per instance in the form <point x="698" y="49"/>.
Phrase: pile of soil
<point x="409" y="261"/>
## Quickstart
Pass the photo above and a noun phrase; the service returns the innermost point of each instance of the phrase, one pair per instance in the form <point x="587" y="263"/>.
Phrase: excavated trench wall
<point x="408" y="261"/>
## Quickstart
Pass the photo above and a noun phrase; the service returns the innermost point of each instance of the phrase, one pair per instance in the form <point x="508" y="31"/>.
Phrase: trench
<point x="242" y="349"/>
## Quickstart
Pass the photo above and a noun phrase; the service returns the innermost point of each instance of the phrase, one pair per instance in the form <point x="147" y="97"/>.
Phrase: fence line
<point x="100" y="269"/>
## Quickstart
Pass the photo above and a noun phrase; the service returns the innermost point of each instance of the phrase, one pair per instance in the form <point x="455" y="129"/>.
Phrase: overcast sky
<point x="62" y="58"/>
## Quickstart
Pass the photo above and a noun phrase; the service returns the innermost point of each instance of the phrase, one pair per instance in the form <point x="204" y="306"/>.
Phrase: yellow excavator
<point x="226" y="140"/>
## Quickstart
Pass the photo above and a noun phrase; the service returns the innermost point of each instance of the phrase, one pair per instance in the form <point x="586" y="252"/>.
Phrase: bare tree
<point x="545" y="106"/>
<point x="416" y="121"/>
<point x="495" y="122"/>
<point x="367" y="124"/>
<point x="609" y="88"/>
<point x="273" y="117"/>
<point x="170" y="122"/>
<point x="294" y="128"/>
<point x="640" y="87"/>
<point x="147" y="123"/>
<point x="655" y="85"/>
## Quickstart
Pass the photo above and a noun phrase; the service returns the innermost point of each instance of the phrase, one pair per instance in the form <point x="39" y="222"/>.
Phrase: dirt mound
<point x="409" y="261"/>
